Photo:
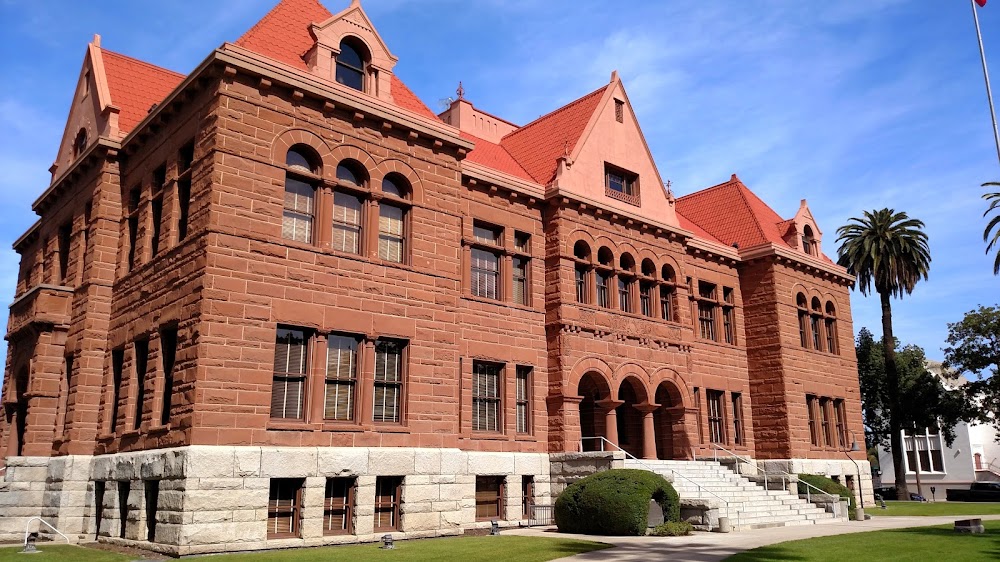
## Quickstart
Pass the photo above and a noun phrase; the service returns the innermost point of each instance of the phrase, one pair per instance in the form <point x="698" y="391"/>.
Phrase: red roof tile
<point x="494" y="156"/>
<point x="135" y="86"/>
<point x="733" y="214"/>
<point x="698" y="231"/>
<point x="283" y="34"/>
<point x="538" y="145"/>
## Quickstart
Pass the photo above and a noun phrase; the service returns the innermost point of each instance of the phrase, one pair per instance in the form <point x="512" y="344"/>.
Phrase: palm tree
<point x="994" y="199"/>
<point x="887" y="249"/>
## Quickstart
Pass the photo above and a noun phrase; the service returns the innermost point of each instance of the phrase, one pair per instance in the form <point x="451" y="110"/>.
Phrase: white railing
<point x="785" y="477"/>
<point x="673" y="474"/>
<point x="27" y="530"/>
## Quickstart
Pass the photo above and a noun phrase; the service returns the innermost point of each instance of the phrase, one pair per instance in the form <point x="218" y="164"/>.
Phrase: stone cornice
<point x="101" y="148"/>
<point x="804" y="260"/>
<point x="500" y="179"/>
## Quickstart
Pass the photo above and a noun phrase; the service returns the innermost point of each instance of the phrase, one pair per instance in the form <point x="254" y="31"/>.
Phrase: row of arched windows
<point x="355" y="208"/>
<point x="817" y="325"/>
<point x="617" y="284"/>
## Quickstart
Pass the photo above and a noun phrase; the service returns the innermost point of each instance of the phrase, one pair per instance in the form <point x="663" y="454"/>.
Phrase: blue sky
<point x="854" y="104"/>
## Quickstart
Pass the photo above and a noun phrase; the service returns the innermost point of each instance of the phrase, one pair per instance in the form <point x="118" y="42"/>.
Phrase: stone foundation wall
<point x="566" y="468"/>
<point x="22" y="495"/>
<point x="838" y="470"/>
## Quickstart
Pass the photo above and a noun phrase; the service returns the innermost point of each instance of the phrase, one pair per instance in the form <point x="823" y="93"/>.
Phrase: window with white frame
<point x="924" y="444"/>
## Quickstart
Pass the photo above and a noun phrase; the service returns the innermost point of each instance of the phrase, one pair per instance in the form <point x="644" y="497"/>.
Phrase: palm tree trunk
<point x="892" y="386"/>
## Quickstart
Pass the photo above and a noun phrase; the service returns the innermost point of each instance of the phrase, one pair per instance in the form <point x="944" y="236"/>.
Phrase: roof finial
<point x="97" y="40"/>
<point x="566" y="149"/>
<point x="670" y="192"/>
<point x="460" y="91"/>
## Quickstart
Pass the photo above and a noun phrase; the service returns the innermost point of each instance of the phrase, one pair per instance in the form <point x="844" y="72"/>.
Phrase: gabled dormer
<point x="350" y="52"/>
<point x="806" y="235"/>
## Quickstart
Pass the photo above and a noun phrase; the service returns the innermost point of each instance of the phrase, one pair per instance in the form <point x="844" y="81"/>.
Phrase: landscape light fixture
<point x="29" y="544"/>
<point x="494" y="528"/>
<point x="387" y="542"/>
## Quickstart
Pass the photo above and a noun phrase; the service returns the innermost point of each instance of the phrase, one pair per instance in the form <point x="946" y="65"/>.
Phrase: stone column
<point x="610" y="419"/>
<point x="648" y="430"/>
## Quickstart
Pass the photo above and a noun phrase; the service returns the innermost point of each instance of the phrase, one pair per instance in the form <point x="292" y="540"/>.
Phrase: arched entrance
<point x="592" y="389"/>
<point x="629" y="418"/>
<point x="669" y="420"/>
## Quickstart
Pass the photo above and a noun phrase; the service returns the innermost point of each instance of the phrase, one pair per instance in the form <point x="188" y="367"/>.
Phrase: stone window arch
<point x="626" y="282"/>
<point x="583" y="272"/>
<point x="302" y="172"/>
<point x="803" y="312"/>
<point x="816" y="324"/>
<point x="668" y="293"/>
<point x="809" y="243"/>
<point x="604" y="276"/>
<point x="830" y="322"/>
<point x="352" y="63"/>
<point x="393" y="218"/>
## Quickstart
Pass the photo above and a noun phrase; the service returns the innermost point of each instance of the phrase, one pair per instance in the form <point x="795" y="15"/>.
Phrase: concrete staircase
<point x="750" y="505"/>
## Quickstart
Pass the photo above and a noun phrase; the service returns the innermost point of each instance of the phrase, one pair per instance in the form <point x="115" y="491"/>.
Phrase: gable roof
<point x="283" y="34"/>
<point x="135" y="86"/>
<point x="538" y="145"/>
<point x="733" y="214"/>
<point x="494" y="156"/>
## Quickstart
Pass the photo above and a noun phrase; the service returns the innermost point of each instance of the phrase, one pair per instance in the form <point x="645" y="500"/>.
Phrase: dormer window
<point x="80" y="143"/>
<point x="809" y="243"/>
<point x="621" y="184"/>
<point x="351" y="64"/>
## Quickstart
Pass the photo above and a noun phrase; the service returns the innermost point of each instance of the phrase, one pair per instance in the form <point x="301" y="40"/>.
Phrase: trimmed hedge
<point x="672" y="529"/>
<point x="615" y="502"/>
<point x="830" y="487"/>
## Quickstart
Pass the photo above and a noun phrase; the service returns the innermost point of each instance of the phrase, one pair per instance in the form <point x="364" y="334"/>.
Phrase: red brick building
<point x="278" y="301"/>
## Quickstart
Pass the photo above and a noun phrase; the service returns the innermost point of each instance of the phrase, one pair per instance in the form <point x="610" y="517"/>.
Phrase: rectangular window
<point x="168" y="353"/>
<point x="646" y="299"/>
<point x="341" y="376"/>
<point x="697" y="406"/>
<point x="65" y="239"/>
<point x="489" y="497"/>
<point x="667" y="303"/>
<point x="824" y="413"/>
<point x="338" y="506"/>
<point x="527" y="496"/>
<point x="729" y="315"/>
<point x="621" y="184"/>
<point x="134" y="195"/>
<point x="152" y="498"/>
<point x="156" y="212"/>
<point x="184" y="207"/>
<point x="124" y="489"/>
<point x="831" y="335"/>
<point x="811" y="404"/>
<point x="716" y="422"/>
<point x="841" y="413"/>
<point x="185" y="157"/>
<point x="581" y="284"/>
<point x="522" y="242"/>
<point x="391" y="239"/>
<point x="297" y="218"/>
<point x="706" y="320"/>
<point x="388" y="400"/>
<point x="619" y="111"/>
<point x="347" y="223"/>
<point x="117" y="367"/>
<point x="602" y="289"/>
<point x="486" y="401"/>
<point x="388" y="490"/>
<point x="284" y="508"/>
<point x="523" y="398"/>
<point x="485" y="274"/>
<point x="803" y="330"/>
<point x="288" y="386"/>
<point x="141" y="349"/>
<point x="487" y="234"/>
<point x="520" y="275"/>
<point x="738" y="437"/>
<point x="625" y="294"/>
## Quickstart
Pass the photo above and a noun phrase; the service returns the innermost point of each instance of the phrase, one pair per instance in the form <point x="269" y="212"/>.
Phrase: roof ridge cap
<point x="270" y="13"/>
<point x="501" y="147"/>
<point x="707" y="189"/>
<point x="140" y="61"/>
<point x="554" y="111"/>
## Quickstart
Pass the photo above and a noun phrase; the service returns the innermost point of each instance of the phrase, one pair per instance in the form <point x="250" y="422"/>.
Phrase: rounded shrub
<point x="830" y="487"/>
<point x="672" y="529"/>
<point x="615" y="502"/>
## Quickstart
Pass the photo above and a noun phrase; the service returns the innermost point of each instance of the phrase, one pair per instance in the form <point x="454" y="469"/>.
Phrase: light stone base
<point x="214" y="499"/>
<point x="838" y="469"/>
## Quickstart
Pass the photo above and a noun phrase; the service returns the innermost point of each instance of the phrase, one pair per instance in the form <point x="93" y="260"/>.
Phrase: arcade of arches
<point x="626" y="418"/>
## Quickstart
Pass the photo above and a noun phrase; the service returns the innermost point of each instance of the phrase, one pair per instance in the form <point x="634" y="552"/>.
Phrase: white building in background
<point x="974" y="456"/>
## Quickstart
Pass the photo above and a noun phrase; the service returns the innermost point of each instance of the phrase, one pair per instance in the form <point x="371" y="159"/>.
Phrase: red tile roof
<point x="494" y="156"/>
<point x="283" y="34"/>
<point x="698" y="231"/>
<point x="135" y="86"/>
<point x="538" y="145"/>
<point x="733" y="214"/>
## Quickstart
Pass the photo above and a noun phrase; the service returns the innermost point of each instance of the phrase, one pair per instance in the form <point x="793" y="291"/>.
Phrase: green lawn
<point x="940" y="544"/>
<point x="486" y="548"/>
<point x="935" y="508"/>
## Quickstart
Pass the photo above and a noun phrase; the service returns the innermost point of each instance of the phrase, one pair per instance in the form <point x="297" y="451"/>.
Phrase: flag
<point x="982" y="3"/>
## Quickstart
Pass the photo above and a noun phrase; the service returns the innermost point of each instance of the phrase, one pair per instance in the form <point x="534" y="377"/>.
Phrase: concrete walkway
<point x="711" y="547"/>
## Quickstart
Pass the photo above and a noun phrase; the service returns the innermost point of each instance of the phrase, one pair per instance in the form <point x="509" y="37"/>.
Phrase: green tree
<point x="924" y="399"/>
<point x="888" y="250"/>
<point x="994" y="201"/>
<point x="974" y="347"/>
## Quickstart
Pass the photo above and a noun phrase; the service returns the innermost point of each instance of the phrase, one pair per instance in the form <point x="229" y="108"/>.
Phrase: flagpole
<point x="986" y="77"/>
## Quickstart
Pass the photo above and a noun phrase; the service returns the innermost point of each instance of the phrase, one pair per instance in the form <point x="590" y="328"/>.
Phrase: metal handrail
<point x="834" y="499"/>
<point x="673" y="473"/>
<point x="27" y="531"/>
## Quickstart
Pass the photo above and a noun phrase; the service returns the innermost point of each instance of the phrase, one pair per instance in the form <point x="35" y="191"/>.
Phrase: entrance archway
<point x="593" y="389"/>
<point x="629" y="418"/>
<point x="669" y="420"/>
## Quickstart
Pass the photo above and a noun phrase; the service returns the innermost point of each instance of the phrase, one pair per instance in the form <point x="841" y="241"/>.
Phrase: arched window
<point x="803" y="306"/>
<point x="582" y="270"/>
<point x="347" y="208"/>
<point x="831" y="328"/>
<point x="351" y="63"/>
<point x="626" y="281"/>
<point x="668" y="294"/>
<point x="80" y="143"/>
<point x="816" y="322"/>
<point x="300" y="194"/>
<point x="646" y="286"/>
<point x="809" y="244"/>
<point x="392" y="211"/>
<point x="604" y="276"/>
